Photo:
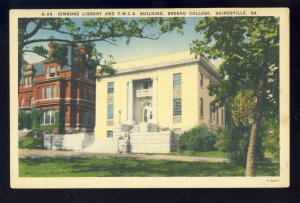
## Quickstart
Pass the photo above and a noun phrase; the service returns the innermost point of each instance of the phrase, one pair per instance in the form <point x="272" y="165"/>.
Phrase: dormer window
<point x="52" y="72"/>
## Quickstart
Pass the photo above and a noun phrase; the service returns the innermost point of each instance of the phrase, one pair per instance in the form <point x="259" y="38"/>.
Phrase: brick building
<point x="64" y="92"/>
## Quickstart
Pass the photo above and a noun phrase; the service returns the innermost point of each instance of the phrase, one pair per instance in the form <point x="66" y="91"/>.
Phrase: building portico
<point x="142" y="101"/>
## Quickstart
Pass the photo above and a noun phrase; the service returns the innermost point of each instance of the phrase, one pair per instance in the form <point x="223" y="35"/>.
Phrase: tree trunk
<point x="254" y="131"/>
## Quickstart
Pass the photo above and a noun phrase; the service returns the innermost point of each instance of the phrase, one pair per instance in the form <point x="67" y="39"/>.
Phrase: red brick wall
<point x="69" y="96"/>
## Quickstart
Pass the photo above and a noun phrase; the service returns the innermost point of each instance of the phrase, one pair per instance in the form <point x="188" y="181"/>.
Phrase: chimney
<point x="69" y="55"/>
<point x="50" y="49"/>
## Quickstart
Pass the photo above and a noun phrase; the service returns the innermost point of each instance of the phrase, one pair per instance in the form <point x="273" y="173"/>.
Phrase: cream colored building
<point x="159" y="96"/>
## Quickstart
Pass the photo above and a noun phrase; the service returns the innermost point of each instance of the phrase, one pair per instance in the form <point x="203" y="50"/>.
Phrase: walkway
<point x="54" y="153"/>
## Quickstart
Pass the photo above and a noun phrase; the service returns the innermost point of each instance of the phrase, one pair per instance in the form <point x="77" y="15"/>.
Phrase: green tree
<point x="249" y="48"/>
<point x="25" y="120"/>
<point x="87" y="33"/>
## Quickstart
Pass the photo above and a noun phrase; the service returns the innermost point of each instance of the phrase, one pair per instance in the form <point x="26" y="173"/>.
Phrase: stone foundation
<point x="142" y="138"/>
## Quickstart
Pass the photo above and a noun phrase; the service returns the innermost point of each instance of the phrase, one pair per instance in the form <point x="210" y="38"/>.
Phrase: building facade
<point x="62" y="91"/>
<point x="165" y="93"/>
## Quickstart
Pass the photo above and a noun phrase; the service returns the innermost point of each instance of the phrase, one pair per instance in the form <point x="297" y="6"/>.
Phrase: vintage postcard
<point x="149" y="98"/>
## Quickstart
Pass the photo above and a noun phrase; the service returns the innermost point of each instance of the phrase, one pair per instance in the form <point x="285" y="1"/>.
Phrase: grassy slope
<point x="83" y="167"/>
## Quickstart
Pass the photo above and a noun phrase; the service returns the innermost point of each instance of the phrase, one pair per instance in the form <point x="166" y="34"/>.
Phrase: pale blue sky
<point x="137" y="48"/>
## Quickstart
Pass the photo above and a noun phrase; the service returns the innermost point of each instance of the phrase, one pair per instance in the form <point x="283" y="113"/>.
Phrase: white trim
<point x="65" y="99"/>
<point x="48" y="99"/>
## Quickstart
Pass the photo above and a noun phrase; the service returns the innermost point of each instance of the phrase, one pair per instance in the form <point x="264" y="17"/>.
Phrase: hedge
<point x="197" y="139"/>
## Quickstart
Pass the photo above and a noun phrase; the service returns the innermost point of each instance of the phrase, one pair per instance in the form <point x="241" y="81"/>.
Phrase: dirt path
<point x="54" y="153"/>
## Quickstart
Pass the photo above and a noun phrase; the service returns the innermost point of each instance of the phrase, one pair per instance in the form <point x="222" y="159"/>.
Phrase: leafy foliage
<point x="243" y="107"/>
<point x="249" y="48"/>
<point x="25" y="120"/>
<point x="88" y="32"/>
<point x="234" y="141"/>
<point x="197" y="139"/>
<point x="270" y="139"/>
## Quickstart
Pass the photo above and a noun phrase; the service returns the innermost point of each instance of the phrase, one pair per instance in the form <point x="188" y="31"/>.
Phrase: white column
<point x="130" y="103"/>
<point x="154" y="100"/>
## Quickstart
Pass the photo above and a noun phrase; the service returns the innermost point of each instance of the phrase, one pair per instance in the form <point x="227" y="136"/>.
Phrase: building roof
<point x="38" y="69"/>
<point x="164" y="61"/>
<point x="154" y="60"/>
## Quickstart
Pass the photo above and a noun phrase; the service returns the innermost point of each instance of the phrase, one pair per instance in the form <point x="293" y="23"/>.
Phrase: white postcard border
<point x="156" y="182"/>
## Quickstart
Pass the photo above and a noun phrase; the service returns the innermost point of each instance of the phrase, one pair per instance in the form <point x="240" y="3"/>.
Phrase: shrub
<point x="270" y="139"/>
<point x="25" y="120"/>
<point x="197" y="139"/>
<point x="31" y="143"/>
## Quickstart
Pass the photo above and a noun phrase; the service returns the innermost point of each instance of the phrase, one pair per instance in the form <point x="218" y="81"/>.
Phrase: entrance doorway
<point x="147" y="112"/>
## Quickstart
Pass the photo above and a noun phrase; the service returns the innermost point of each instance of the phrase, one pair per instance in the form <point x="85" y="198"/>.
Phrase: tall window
<point x="177" y="107"/>
<point x="43" y="93"/>
<point x="110" y="101"/>
<point x="48" y="92"/>
<point x="176" y="79"/>
<point x="201" y="80"/>
<point x="201" y="108"/>
<point x="177" y="111"/>
<point x="110" y="87"/>
<point x="110" y="111"/>
<point x="52" y="71"/>
<point x="31" y="101"/>
<point x="48" y="117"/>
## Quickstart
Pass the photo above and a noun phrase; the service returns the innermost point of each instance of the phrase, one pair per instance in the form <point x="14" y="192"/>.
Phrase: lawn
<point x="31" y="143"/>
<point x="92" y="167"/>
